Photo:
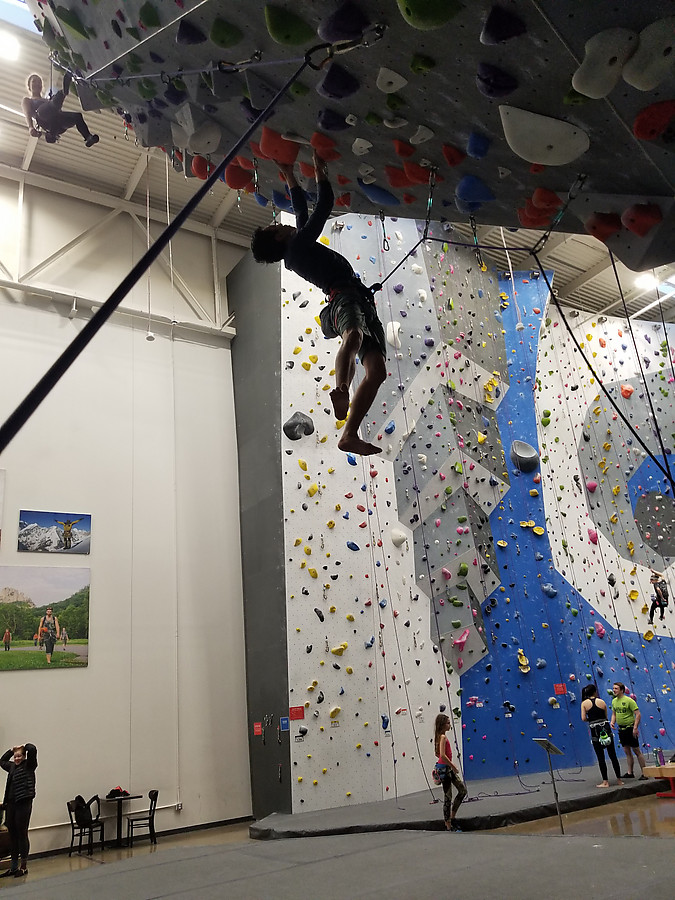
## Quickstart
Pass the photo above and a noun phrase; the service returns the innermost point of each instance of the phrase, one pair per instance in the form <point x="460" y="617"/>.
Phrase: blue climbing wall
<point x="538" y="608"/>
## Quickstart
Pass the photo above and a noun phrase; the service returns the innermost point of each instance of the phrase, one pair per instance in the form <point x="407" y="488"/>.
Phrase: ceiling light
<point x="646" y="281"/>
<point x="9" y="46"/>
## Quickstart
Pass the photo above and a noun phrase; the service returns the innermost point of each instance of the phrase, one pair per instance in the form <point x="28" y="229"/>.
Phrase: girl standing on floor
<point x="594" y="711"/>
<point x="447" y="772"/>
<point x="20" y="764"/>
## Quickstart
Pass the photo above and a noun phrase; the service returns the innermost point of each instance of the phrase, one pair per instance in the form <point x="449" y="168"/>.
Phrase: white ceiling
<point x="118" y="173"/>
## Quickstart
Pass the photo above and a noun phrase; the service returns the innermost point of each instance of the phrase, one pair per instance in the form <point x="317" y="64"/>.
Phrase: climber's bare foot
<point x="340" y="399"/>
<point x="354" y="444"/>
<point x="619" y="781"/>
<point x="604" y="784"/>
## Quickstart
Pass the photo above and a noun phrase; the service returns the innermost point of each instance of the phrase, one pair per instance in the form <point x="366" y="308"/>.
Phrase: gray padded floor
<point x="399" y="865"/>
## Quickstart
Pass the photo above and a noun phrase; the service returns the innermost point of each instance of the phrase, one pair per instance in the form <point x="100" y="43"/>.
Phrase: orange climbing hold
<point x="641" y="218"/>
<point x="236" y="177"/>
<point x="627" y="391"/>
<point x="652" y="121"/>
<point x="276" y="147"/>
<point x="603" y="225"/>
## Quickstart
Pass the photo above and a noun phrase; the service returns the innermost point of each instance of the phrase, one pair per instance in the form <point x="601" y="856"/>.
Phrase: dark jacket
<point x="20" y="779"/>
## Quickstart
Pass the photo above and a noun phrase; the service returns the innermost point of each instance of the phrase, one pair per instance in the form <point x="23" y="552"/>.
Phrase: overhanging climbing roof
<point x="439" y="83"/>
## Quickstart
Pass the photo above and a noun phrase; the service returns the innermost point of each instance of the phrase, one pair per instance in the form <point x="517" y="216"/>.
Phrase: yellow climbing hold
<point x="525" y="525"/>
<point x="349" y="670"/>
<point x="481" y="437"/>
<point x="297" y="350"/>
<point x="297" y="542"/>
<point x="350" y="617"/>
<point x="633" y="595"/>
<point x="340" y="649"/>
<point x="538" y="530"/>
<point x="324" y="240"/>
<point x="534" y="492"/>
<point x="338" y="507"/>
<point x="331" y="470"/>
<point x="312" y="572"/>
<point x="631" y="547"/>
<point x="616" y="489"/>
<point x="299" y="778"/>
<point x="302" y="464"/>
<point x="648" y="635"/>
<point x="330" y="524"/>
<point x="306" y="366"/>
<point x="331" y="609"/>
<point x="313" y="358"/>
<point x="335" y="712"/>
<point x="312" y="489"/>
<point x="308" y="551"/>
<point x="339" y="423"/>
<point x="502" y="544"/>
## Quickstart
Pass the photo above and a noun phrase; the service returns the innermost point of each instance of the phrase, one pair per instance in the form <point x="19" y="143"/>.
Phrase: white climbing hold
<point x="393" y="339"/>
<point x="605" y="54"/>
<point x="295" y="138"/>
<point x="542" y="139"/>
<point x="205" y="139"/>
<point x="416" y="269"/>
<point x="351" y="120"/>
<point x="398" y="537"/>
<point x="654" y="58"/>
<point x="422" y="294"/>
<point x="389" y="81"/>
<point x="360" y="147"/>
<point x="395" y="122"/>
<point x="422" y="135"/>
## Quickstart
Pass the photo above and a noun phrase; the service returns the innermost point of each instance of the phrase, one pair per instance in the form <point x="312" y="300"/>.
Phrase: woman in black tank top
<point x="594" y="711"/>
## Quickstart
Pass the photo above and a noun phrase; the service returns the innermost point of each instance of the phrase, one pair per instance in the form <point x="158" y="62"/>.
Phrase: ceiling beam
<point x="31" y="145"/>
<point x="225" y="206"/>
<point x="55" y="186"/>
<point x="584" y="277"/>
<point x="137" y="173"/>
<point x="552" y="244"/>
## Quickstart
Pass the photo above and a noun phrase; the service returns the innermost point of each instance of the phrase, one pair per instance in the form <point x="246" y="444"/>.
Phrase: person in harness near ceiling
<point x="46" y="115"/>
<point x="350" y="311"/>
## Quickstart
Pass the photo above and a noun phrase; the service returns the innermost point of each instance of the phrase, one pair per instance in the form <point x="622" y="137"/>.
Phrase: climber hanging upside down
<point x="350" y="311"/>
<point x="45" y="115"/>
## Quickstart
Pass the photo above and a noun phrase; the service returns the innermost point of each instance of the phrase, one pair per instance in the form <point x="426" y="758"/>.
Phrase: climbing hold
<point x="651" y="122"/>
<point x="523" y="662"/>
<point x="541" y="663"/>
<point x="223" y="34"/>
<point x="398" y="537"/>
<point x="653" y="60"/>
<point x="592" y="535"/>
<point x="340" y="649"/>
<point x="319" y="613"/>
<point x="627" y="391"/>
<point x="542" y="139"/>
<point x="286" y="27"/>
<point x="335" y="712"/>
<point x="495" y="82"/>
<point x="641" y="218"/>
<point x="461" y="640"/>
<point x="549" y="590"/>
<point x="275" y="147"/>
<point x="605" y="54"/>
<point x="378" y="194"/>
<point x="390" y="427"/>
<point x="425" y="15"/>
<point x="603" y="225"/>
<point x="420" y="64"/>
<point x="337" y="83"/>
<point x="385" y="721"/>
<point x="393" y="339"/>
<point x="389" y="81"/>
<point x="452" y="155"/>
<point x="500" y="26"/>
<point x="352" y="546"/>
<point x="299" y="425"/>
<point x="524" y="456"/>
<point x="347" y="23"/>
<point x="630" y="656"/>
<point x="189" y="34"/>
<point x="472" y="189"/>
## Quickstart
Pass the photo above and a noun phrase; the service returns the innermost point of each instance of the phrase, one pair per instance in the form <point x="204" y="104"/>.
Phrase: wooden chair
<point x="88" y="829"/>
<point x="143" y="820"/>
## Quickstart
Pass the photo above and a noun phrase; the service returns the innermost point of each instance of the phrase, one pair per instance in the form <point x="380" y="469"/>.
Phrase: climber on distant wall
<point x="46" y="115"/>
<point x="350" y="311"/>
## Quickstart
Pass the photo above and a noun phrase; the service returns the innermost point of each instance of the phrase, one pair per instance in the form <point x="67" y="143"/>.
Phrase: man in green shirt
<point x="626" y="715"/>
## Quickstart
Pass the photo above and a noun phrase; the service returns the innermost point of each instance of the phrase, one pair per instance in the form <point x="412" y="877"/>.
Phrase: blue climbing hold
<point x="385" y="721"/>
<point x="383" y="602"/>
<point x="352" y="546"/>
<point x="478" y="145"/>
<point x="549" y="590"/>
<point x="378" y="194"/>
<point x="472" y="189"/>
<point x="351" y="459"/>
<point x="390" y="427"/>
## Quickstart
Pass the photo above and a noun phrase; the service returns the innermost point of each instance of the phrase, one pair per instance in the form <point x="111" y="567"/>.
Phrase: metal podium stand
<point x="551" y="748"/>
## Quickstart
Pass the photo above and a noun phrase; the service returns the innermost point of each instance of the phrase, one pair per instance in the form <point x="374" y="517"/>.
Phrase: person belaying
<point x="594" y="711"/>
<point x="46" y="114"/>
<point x="626" y="715"/>
<point x="350" y="311"/>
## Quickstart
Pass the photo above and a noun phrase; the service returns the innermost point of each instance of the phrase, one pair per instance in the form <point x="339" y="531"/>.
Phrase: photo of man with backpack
<point x="660" y="596"/>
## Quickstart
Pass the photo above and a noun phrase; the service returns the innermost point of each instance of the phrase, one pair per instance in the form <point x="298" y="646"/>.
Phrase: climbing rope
<point x="571" y="195"/>
<point x="479" y="255"/>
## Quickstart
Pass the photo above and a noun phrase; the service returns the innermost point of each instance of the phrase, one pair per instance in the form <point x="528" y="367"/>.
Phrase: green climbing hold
<point x="426" y="15"/>
<point x="134" y="33"/>
<point x="574" y="98"/>
<point x="372" y="118"/>
<point x="456" y="623"/>
<point x="459" y="468"/>
<point x="420" y="64"/>
<point x="545" y="421"/>
<point x="463" y="569"/>
<point x="298" y="89"/>
<point x="148" y="16"/>
<point x="457" y="602"/>
<point x="146" y="88"/>
<point x="547" y="413"/>
<point x="285" y="27"/>
<point x="224" y="34"/>
<point x="448" y="490"/>
<point x="395" y="102"/>
<point x="461" y="519"/>
<point x="72" y="21"/>
<point x="134" y="63"/>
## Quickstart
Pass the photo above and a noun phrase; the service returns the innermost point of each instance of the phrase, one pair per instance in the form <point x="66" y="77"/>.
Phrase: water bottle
<point x="660" y="756"/>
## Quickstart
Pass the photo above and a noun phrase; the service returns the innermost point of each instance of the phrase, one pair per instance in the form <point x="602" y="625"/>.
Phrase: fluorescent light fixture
<point x="646" y="281"/>
<point x="10" y="48"/>
<point x="671" y="280"/>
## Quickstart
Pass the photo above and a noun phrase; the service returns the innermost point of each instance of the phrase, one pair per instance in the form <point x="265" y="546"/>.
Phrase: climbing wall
<point x="574" y="536"/>
<point x="508" y="119"/>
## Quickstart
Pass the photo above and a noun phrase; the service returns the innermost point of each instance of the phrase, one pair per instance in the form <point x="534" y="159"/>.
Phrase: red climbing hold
<point x="307" y="169"/>
<point x="418" y="174"/>
<point x="452" y="155"/>
<point x="409" y="198"/>
<point x="236" y="177"/>
<point x="257" y="150"/>
<point x="543" y="198"/>
<point x="397" y="177"/>
<point x="653" y="120"/>
<point x="275" y="147"/>
<point x="603" y="225"/>
<point x="342" y="179"/>
<point x="403" y="148"/>
<point x="344" y="200"/>
<point x="324" y="146"/>
<point x="201" y="167"/>
<point x="641" y="218"/>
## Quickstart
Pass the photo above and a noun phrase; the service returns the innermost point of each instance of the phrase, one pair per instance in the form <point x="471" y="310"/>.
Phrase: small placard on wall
<point x="560" y="689"/>
<point x="284" y="723"/>
<point x="257" y="728"/>
<point x="296" y="712"/>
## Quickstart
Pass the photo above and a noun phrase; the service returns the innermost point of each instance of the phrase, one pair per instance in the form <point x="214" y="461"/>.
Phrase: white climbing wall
<point x="359" y="643"/>
<point x="591" y="461"/>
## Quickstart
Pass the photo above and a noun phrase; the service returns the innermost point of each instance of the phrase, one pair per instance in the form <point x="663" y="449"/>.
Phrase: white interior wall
<point x="141" y="435"/>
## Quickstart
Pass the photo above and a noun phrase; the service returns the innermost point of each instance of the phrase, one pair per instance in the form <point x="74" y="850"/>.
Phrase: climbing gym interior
<point x="276" y="624"/>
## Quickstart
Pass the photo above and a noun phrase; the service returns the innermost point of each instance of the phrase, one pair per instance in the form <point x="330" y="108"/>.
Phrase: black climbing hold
<point x="299" y="425"/>
<point x="319" y="613"/>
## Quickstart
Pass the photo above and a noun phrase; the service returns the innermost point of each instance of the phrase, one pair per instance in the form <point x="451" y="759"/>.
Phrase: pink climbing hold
<point x="591" y="486"/>
<point x="438" y="523"/>
<point x="446" y="573"/>
<point x="462" y="639"/>
<point x="460" y="662"/>
<point x="599" y="629"/>
<point x="592" y="535"/>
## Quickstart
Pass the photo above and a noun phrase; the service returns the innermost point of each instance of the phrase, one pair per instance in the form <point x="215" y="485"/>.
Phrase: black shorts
<point x="627" y="738"/>
<point x="354" y="308"/>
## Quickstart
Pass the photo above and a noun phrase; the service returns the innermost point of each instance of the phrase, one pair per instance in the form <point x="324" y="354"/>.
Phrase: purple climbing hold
<point x="500" y="26"/>
<point x="330" y="120"/>
<point x="398" y="288"/>
<point x="429" y="342"/>
<point x="352" y="546"/>
<point x="337" y="83"/>
<point x="494" y="82"/>
<point x="347" y="23"/>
